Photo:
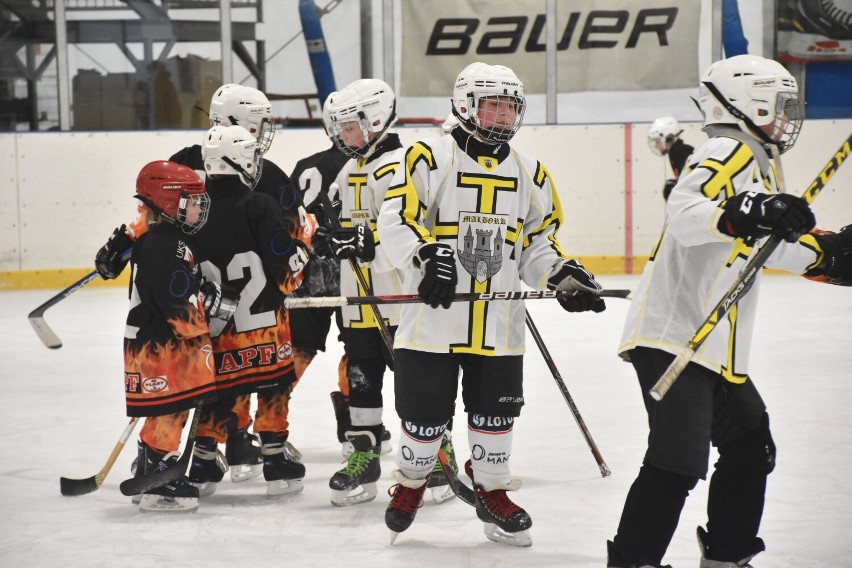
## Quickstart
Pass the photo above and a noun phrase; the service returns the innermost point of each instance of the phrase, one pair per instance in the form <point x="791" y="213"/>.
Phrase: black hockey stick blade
<point x="143" y="483"/>
<point x="461" y="490"/>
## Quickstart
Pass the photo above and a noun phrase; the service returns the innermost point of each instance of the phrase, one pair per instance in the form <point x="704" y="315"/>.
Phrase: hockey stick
<point x="331" y="215"/>
<point x="744" y="282"/>
<point x="461" y="490"/>
<point x="76" y="487"/>
<point x="336" y="301"/>
<point x="143" y="483"/>
<point x="36" y="317"/>
<point x="567" y="396"/>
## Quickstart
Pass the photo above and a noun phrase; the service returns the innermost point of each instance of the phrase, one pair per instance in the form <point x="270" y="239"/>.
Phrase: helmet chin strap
<point x="240" y="169"/>
<point x="738" y="114"/>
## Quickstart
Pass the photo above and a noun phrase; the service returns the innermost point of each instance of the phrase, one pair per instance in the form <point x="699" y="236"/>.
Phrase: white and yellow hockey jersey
<point x="693" y="264"/>
<point x="500" y="214"/>
<point x="361" y="186"/>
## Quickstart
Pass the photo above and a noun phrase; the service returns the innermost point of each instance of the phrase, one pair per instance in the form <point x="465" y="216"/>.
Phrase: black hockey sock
<point x="736" y="496"/>
<point x="651" y="513"/>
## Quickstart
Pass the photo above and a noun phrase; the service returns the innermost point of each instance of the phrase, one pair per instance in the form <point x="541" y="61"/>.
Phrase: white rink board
<point x="61" y="194"/>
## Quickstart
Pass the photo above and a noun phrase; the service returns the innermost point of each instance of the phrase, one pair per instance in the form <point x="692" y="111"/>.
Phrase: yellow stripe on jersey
<point x="477" y="312"/>
<point x="412" y="209"/>
<point x="725" y="171"/>
<point x="728" y="370"/>
<point x="810" y="242"/>
<point x="389" y="169"/>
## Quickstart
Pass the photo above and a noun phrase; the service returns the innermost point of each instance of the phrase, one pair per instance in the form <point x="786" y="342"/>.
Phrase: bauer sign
<point x="602" y="45"/>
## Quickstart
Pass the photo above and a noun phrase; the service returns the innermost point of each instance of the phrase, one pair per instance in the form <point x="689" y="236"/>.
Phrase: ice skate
<point x="615" y="561"/>
<point x="505" y="522"/>
<point x="356" y="483"/>
<point x="178" y="496"/>
<point x="742" y="563"/>
<point x="243" y="455"/>
<point x="284" y="474"/>
<point x="406" y="498"/>
<point x="208" y="466"/>
<point x="438" y="482"/>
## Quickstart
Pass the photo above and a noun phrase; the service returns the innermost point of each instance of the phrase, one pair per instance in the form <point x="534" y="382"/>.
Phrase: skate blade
<point x="521" y="539"/>
<point x="361" y="494"/>
<point x="245" y="472"/>
<point x="206" y="489"/>
<point x="282" y="487"/>
<point x="393" y="535"/>
<point x="442" y="493"/>
<point x="160" y="504"/>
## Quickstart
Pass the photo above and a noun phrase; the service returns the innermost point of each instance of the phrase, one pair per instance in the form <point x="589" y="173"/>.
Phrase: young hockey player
<point x="726" y="202"/>
<point x="230" y="105"/>
<point x="359" y="118"/>
<point x="664" y="140"/>
<point x="167" y="367"/>
<point x="259" y="249"/>
<point x="468" y="212"/>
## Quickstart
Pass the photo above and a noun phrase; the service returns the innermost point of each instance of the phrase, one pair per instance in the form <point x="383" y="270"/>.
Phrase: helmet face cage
<point x="193" y="209"/>
<point x="232" y="150"/>
<point x="362" y="151"/>
<point x="789" y="115"/>
<point x="492" y="110"/>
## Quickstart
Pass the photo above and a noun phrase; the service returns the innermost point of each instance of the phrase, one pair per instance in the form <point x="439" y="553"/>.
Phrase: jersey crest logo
<point x="481" y="239"/>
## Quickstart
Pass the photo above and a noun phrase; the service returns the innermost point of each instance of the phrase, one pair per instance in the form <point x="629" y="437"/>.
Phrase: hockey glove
<point x="571" y="275"/>
<point x="345" y="243"/>
<point x="438" y="267"/>
<point x="219" y="300"/>
<point x="108" y="261"/>
<point x="836" y="265"/>
<point x="668" y="187"/>
<point x="756" y="215"/>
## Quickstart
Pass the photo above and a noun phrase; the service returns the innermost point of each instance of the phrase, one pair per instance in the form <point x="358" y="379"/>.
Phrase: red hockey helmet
<point x="175" y="191"/>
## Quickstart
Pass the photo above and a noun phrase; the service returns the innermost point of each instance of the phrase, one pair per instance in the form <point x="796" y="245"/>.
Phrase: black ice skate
<point x="706" y="551"/>
<point x="243" y="455"/>
<point x="505" y="522"/>
<point x="178" y="496"/>
<point x="356" y="483"/>
<point x="406" y="498"/>
<point x="208" y="466"/>
<point x="284" y="473"/>
<point x="616" y="561"/>
<point x="438" y="482"/>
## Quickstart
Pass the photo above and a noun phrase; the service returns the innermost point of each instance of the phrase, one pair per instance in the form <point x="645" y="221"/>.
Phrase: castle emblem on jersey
<point x="481" y="244"/>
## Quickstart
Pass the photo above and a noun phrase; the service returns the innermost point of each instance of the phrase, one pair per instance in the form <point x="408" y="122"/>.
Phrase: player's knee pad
<point x="753" y="451"/>
<point x="366" y="377"/>
<point x="658" y="481"/>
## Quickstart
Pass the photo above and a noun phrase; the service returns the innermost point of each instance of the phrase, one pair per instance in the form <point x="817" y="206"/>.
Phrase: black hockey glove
<point x="571" y="275"/>
<point x="756" y="215"/>
<point x="668" y="187"/>
<point x="438" y="266"/>
<point x="345" y="243"/>
<point x="836" y="266"/>
<point x="108" y="261"/>
<point x="219" y="300"/>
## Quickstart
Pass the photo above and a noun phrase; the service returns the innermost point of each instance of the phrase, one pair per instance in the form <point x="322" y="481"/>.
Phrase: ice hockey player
<point x="467" y="212"/>
<point x="359" y="120"/>
<point x="664" y="140"/>
<point x="256" y="247"/>
<point x="726" y="202"/>
<point x="230" y="105"/>
<point x="167" y="338"/>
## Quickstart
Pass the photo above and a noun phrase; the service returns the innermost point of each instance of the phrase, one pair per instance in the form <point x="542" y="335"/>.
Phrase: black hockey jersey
<point x="252" y="245"/>
<point x="167" y="346"/>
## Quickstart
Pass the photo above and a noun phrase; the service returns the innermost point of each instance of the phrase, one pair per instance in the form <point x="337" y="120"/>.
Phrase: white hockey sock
<point x="490" y="440"/>
<point x="418" y="448"/>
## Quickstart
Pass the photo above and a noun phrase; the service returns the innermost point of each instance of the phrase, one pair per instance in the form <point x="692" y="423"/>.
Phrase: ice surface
<point x="63" y="413"/>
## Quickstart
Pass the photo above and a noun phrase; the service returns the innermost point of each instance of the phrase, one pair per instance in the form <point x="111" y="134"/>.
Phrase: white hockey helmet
<point x="663" y="132"/>
<point x="757" y="94"/>
<point x="371" y="104"/>
<point x="231" y="151"/>
<point x="238" y="105"/>
<point x="479" y="81"/>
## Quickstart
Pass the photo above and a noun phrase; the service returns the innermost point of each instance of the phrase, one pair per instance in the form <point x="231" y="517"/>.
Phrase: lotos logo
<point x="155" y="384"/>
